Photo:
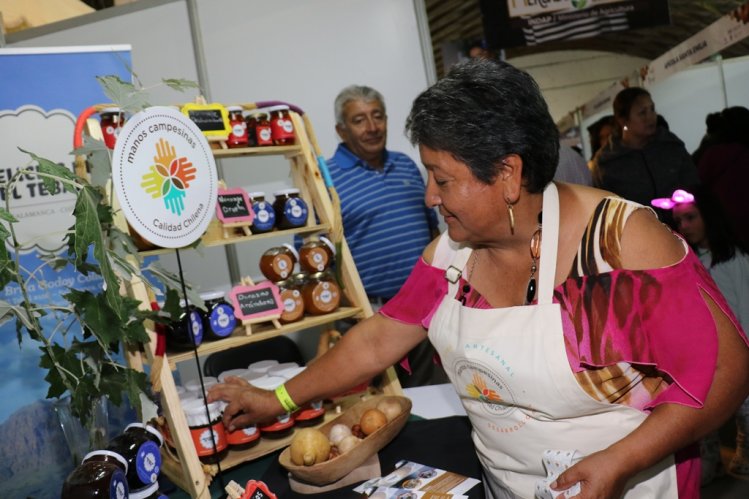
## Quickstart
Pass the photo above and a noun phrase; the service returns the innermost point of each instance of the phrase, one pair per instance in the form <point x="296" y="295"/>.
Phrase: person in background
<point x="599" y="133"/>
<point x="382" y="200"/>
<point x="479" y="50"/>
<point x="642" y="161"/>
<point x="567" y="319"/>
<point x="700" y="219"/>
<point x="723" y="165"/>
<point x="572" y="167"/>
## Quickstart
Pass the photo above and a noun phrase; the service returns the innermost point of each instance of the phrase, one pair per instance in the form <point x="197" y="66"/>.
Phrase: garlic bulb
<point x="338" y="432"/>
<point x="348" y="443"/>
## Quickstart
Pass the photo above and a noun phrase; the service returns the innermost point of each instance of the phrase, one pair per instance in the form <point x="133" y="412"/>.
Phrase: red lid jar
<point x="282" y="129"/>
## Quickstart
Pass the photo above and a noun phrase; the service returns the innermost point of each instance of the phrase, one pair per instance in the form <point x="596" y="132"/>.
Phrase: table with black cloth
<point x="443" y="443"/>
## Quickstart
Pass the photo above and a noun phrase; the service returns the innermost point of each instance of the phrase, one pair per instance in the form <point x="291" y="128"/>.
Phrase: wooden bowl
<point x="340" y="466"/>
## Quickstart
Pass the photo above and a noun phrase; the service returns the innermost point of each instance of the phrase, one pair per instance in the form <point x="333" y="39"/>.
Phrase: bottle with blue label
<point x="291" y="210"/>
<point x="139" y="445"/>
<point x="265" y="217"/>
<point x="101" y="474"/>
<point x="220" y="320"/>
<point x="187" y="329"/>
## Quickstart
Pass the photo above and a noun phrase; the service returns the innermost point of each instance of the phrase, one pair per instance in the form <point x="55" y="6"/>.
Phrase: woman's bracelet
<point x="285" y="399"/>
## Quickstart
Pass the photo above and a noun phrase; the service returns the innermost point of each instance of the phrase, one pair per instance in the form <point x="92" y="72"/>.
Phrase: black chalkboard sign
<point x="234" y="206"/>
<point x="261" y="300"/>
<point x="212" y="119"/>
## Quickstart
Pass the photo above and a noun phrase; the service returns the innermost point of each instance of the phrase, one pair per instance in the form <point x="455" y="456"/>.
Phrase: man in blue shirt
<point x="385" y="220"/>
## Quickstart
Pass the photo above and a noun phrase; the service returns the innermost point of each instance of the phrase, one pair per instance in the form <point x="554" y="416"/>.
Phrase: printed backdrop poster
<point x="516" y="23"/>
<point x="42" y="91"/>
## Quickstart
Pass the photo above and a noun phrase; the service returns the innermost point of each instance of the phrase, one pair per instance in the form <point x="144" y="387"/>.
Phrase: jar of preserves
<point x="193" y="386"/>
<point x="151" y="492"/>
<point x="111" y="119"/>
<point x="293" y="304"/>
<point x="321" y="293"/>
<point x="238" y="135"/>
<point x="139" y="445"/>
<point x="291" y="210"/>
<point x="263" y="132"/>
<point x="251" y="122"/>
<point x="96" y="479"/>
<point x="206" y="429"/>
<point x="282" y="129"/>
<point x="316" y="255"/>
<point x="265" y="216"/>
<point x="219" y="319"/>
<point x="282" y="424"/>
<point x="277" y="263"/>
<point x="187" y="331"/>
<point x="311" y="413"/>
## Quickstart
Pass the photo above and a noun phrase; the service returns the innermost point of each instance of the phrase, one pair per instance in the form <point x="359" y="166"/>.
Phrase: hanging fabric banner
<point x="514" y="23"/>
<point x="727" y="30"/>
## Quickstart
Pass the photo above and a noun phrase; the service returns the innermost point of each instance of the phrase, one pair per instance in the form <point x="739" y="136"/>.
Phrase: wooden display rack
<point x="185" y="469"/>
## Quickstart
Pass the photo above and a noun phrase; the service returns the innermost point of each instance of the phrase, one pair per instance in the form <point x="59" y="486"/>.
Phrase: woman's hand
<point x="246" y="404"/>
<point x="600" y="475"/>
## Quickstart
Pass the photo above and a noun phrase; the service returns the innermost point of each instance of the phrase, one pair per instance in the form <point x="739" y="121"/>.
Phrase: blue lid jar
<point x="187" y="329"/>
<point x="219" y="320"/>
<point x="265" y="217"/>
<point x="291" y="210"/>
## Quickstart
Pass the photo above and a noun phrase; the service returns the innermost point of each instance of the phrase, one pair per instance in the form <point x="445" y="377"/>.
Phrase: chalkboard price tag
<point x="256" y="489"/>
<point x="234" y="206"/>
<point x="211" y="119"/>
<point x="258" y="301"/>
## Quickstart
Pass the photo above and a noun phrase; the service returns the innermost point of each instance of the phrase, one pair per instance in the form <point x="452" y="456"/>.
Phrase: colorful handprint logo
<point x="169" y="178"/>
<point x="479" y="390"/>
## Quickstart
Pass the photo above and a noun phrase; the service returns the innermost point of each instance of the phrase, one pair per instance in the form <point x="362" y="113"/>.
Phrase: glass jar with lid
<point x="316" y="255"/>
<point x="187" y="331"/>
<point x="263" y="132"/>
<point x="291" y="297"/>
<point x="321" y="293"/>
<point x="238" y="134"/>
<point x="278" y="263"/>
<point x="282" y="129"/>
<point x="219" y="320"/>
<point x="291" y="210"/>
<point x="265" y="216"/>
<point x="111" y="119"/>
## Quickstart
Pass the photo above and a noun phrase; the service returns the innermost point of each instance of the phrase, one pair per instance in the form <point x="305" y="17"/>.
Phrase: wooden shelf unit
<point x="185" y="469"/>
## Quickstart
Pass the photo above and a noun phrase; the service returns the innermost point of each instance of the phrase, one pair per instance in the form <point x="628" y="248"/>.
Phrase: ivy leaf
<point x="99" y="159"/>
<point x="17" y="311"/>
<point x="88" y="231"/>
<point x="172" y="282"/>
<point x="95" y="314"/>
<point x="124" y="94"/>
<point x="8" y="217"/>
<point x="54" y="169"/>
<point x="180" y="85"/>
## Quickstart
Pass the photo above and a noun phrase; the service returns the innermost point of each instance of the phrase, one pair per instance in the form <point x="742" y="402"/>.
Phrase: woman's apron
<point x="510" y="369"/>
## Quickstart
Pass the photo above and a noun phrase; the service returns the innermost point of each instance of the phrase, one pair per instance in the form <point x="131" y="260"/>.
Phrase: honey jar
<point x="291" y="297"/>
<point x="277" y="263"/>
<point x="316" y="255"/>
<point x="291" y="210"/>
<point x="238" y="135"/>
<point x="321" y="293"/>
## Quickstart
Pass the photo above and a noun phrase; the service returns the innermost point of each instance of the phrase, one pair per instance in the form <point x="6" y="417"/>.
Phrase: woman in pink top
<point x="573" y="325"/>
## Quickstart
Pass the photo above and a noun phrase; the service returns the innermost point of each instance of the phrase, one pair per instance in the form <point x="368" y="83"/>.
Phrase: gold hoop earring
<point x="511" y="214"/>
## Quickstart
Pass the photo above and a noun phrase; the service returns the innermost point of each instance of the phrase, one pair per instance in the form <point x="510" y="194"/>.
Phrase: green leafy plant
<point x="80" y="341"/>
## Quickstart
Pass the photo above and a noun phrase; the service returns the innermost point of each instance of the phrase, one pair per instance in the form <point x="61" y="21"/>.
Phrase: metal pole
<point x="425" y="40"/>
<point x="200" y="64"/>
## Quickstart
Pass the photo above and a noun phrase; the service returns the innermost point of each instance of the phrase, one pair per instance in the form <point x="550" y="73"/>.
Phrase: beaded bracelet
<point x="285" y="399"/>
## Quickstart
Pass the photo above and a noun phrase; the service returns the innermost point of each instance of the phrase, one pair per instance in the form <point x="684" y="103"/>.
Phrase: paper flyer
<point x="413" y="480"/>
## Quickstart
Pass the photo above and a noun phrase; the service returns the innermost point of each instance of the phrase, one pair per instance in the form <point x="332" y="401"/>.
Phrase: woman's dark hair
<point x="720" y="236"/>
<point x="482" y="111"/>
<point x="623" y="105"/>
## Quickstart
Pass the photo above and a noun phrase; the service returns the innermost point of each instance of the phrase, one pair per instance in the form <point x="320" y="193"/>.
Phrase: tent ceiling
<point x="460" y="20"/>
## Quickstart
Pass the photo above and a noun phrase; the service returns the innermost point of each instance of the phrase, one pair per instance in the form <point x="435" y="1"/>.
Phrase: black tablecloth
<point x="442" y="443"/>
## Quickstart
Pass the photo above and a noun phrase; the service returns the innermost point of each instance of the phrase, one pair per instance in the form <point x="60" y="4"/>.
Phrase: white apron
<point x="510" y="369"/>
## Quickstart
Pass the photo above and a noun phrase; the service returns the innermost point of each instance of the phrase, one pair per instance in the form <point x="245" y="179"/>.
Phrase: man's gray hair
<point x="355" y="92"/>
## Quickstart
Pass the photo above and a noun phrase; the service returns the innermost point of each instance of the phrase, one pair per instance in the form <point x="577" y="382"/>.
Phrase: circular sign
<point x="164" y="176"/>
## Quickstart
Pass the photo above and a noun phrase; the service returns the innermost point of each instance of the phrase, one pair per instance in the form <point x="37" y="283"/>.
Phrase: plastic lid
<point x="110" y="110"/>
<point x="234" y="108"/>
<point x="328" y="243"/>
<point x="193" y="385"/>
<point x="144" y="493"/>
<point x="150" y="429"/>
<point x="212" y="295"/>
<point x="231" y="372"/>
<point x="262" y="366"/>
<point x="268" y="382"/>
<point x="195" y="411"/>
<point x="109" y="453"/>
<point x="286" y="192"/>
<point x="293" y="250"/>
<point x="292" y="371"/>
<point x="283" y="366"/>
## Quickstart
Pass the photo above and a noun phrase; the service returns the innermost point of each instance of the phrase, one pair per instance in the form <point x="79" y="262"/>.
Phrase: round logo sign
<point x="165" y="178"/>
